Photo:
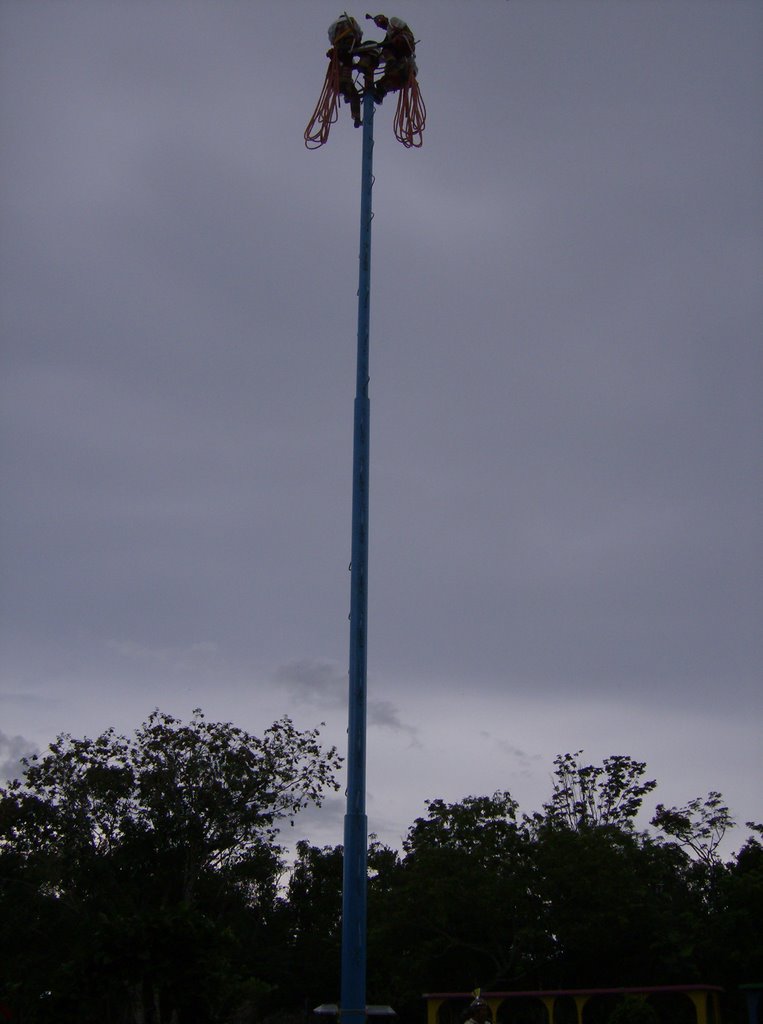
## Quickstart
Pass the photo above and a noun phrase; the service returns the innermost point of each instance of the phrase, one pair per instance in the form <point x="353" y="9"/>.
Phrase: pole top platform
<point x="373" y="1010"/>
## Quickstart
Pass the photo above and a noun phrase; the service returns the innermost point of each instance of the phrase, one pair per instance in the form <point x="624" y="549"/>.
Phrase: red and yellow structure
<point x="699" y="1004"/>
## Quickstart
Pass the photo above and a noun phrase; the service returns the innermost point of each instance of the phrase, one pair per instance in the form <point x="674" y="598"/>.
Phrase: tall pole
<point x="353" y="988"/>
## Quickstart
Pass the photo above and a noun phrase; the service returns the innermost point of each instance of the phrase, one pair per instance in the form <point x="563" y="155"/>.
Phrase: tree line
<point x="143" y="881"/>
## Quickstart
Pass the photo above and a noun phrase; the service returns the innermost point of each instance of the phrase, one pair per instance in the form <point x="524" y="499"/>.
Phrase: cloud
<point x="386" y="715"/>
<point x="12" y="749"/>
<point x="566" y="418"/>
<point x="524" y="762"/>
<point x="312" y="681"/>
<point x="174" y="659"/>
<point x="324" y="685"/>
<point x="31" y="701"/>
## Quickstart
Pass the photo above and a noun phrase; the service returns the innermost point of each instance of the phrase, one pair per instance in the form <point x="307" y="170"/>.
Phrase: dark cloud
<point x="315" y="682"/>
<point x="565" y="368"/>
<point x="523" y="761"/>
<point x="324" y="685"/>
<point x="12" y="749"/>
<point x="385" y="714"/>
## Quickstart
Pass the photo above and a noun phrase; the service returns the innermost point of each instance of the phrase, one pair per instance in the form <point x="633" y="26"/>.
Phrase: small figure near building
<point x="478" y="1012"/>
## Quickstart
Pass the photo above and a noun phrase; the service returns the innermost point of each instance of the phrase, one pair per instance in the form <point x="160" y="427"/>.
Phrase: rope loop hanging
<point x="327" y="108"/>
<point x="410" y="114"/>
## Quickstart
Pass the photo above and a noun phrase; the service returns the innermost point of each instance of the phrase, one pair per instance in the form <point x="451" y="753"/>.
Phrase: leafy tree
<point x="573" y="896"/>
<point x="591" y="796"/>
<point x="475" y="825"/>
<point x="619" y="909"/>
<point x="699" y="826"/>
<point x="145" y="879"/>
<point x="461" y="909"/>
<point x="313" y="911"/>
<point x="618" y="904"/>
<point x="737" y="938"/>
<point x="133" y="857"/>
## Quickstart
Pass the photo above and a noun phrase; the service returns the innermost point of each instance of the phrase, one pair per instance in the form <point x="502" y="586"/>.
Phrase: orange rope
<point x="327" y="108"/>
<point x="410" y="114"/>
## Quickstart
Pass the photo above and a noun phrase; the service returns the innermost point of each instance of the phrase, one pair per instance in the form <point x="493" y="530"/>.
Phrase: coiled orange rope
<point x="410" y="114"/>
<point x="327" y="108"/>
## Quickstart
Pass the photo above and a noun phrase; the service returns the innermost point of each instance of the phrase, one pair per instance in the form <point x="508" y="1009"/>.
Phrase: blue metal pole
<point x="352" y="1007"/>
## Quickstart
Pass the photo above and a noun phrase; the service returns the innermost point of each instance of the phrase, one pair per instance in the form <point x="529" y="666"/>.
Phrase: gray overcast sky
<point x="565" y="387"/>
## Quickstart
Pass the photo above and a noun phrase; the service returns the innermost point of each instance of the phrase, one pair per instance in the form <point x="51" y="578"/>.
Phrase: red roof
<point x="638" y="990"/>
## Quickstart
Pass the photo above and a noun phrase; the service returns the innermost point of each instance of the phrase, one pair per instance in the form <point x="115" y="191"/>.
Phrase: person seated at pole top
<point x="398" y="50"/>
<point x="345" y="35"/>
